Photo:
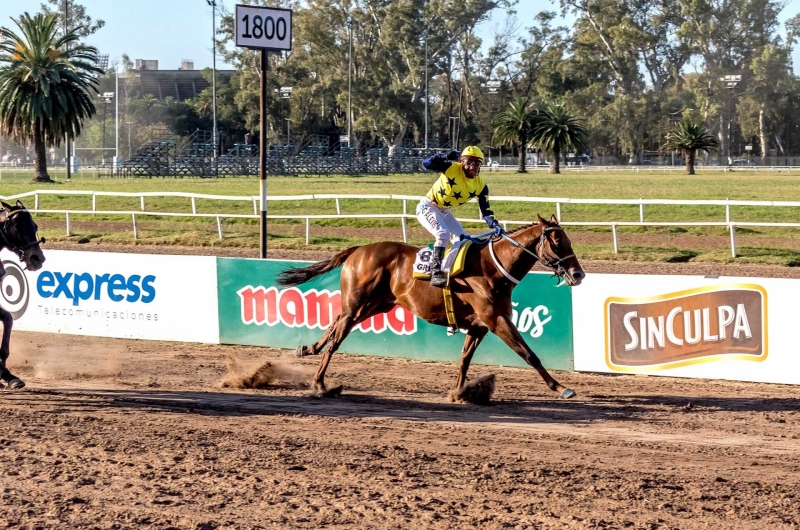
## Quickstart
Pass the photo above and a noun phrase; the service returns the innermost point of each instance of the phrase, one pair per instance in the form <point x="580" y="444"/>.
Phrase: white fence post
<point x="616" y="239"/>
<point x="727" y="211"/>
<point x="733" y="239"/>
<point x="558" y="211"/>
<point x="308" y="230"/>
<point x="135" y="229"/>
<point x="255" y="205"/>
<point x="94" y="202"/>
<point x="338" y="207"/>
<point x="219" y="226"/>
<point x="403" y="225"/>
<point x="36" y="202"/>
<point x="68" y="227"/>
<point x="142" y="202"/>
<point x="194" y="206"/>
<point x="641" y="209"/>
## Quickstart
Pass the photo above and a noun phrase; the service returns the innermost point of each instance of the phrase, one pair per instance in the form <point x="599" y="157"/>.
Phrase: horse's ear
<point x="20" y="205"/>
<point x="5" y="205"/>
<point x="553" y="219"/>
<point x="541" y="221"/>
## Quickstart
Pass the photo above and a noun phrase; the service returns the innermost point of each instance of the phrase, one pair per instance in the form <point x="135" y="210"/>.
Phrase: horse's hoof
<point x="568" y="393"/>
<point x="16" y="383"/>
<point x="331" y="392"/>
<point x="301" y="351"/>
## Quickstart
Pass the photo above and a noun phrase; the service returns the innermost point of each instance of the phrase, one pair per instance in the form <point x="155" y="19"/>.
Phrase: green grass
<point x="739" y="184"/>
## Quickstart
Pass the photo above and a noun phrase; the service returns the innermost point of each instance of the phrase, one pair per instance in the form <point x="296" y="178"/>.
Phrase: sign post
<point x="266" y="29"/>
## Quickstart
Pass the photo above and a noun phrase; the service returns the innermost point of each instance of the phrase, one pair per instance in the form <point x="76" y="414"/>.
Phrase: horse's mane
<point x="521" y="228"/>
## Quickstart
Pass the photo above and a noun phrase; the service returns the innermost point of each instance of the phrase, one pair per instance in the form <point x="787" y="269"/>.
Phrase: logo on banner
<point x="313" y="309"/>
<point x="688" y="327"/>
<point x="14" y="292"/>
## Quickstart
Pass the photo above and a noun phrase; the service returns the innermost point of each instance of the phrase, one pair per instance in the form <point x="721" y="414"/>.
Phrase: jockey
<point x="458" y="183"/>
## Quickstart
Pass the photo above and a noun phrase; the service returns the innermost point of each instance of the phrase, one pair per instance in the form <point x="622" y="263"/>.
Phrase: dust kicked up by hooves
<point x="478" y="391"/>
<point x="261" y="374"/>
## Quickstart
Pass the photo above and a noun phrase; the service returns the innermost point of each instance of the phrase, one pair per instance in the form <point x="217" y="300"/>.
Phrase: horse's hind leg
<point x="340" y="329"/>
<point x="8" y="321"/>
<point x="316" y="348"/>
<point x="474" y="337"/>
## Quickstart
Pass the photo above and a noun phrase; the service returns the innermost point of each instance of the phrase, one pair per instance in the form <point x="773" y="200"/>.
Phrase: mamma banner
<point x="137" y="296"/>
<point x="687" y="326"/>
<point x="253" y="310"/>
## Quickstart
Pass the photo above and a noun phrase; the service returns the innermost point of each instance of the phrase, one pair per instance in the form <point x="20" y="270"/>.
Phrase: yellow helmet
<point x="473" y="150"/>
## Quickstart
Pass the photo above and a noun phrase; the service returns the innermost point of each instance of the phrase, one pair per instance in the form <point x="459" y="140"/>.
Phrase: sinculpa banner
<point x="742" y="329"/>
<point x="102" y="294"/>
<point x="253" y="310"/>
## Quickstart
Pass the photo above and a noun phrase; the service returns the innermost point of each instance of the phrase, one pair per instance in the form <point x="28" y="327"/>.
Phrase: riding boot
<point x="438" y="278"/>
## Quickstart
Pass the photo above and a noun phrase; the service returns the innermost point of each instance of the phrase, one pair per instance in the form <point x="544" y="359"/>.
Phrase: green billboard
<point x="253" y="310"/>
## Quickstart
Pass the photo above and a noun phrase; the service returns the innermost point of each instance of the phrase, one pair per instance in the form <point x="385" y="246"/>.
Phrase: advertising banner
<point x="254" y="310"/>
<point x="137" y="296"/>
<point x="688" y="326"/>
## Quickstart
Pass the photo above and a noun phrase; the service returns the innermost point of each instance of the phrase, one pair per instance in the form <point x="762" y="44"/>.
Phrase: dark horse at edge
<point x="17" y="234"/>
<point x="378" y="276"/>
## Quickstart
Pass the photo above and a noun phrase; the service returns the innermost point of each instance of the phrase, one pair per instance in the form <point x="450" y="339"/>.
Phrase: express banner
<point x="255" y="311"/>
<point x="137" y="296"/>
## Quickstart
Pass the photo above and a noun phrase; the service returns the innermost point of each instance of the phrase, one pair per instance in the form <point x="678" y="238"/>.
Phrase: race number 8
<point x="264" y="27"/>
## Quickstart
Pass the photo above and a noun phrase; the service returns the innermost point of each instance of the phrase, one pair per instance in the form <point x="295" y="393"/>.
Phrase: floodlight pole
<point x="262" y="151"/>
<point x="350" y="88"/>
<point x="426" y="82"/>
<point x="66" y="30"/>
<point x="213" y="5"/>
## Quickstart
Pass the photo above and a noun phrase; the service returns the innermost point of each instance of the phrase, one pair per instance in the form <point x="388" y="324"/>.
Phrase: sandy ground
<point x="133" y="434"/>
<point x="130" y="434"/>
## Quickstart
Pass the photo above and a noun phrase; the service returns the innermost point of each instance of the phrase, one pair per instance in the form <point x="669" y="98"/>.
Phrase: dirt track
<point x="127" y="434"/>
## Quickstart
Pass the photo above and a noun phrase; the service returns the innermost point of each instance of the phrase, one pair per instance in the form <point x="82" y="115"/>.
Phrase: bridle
<point x="556" y="265"/>
<point x="18" y="250"/>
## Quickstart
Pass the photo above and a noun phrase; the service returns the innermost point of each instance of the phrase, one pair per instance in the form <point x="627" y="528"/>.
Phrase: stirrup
<point x="439" y="281"/>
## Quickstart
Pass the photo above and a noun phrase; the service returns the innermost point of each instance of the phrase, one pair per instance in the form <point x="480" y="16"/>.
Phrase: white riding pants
<point x="440" y="222"/>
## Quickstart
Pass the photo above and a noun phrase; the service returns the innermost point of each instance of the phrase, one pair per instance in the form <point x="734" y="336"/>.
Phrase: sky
<point x="172" y="30"/>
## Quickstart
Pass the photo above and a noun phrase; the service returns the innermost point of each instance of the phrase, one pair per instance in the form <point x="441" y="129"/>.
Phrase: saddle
<point x="452" y="265"/>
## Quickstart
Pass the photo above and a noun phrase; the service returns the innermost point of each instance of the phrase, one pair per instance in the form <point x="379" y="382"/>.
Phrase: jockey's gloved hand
<point x="453" y="155"/>
<point x="491" y="221"/>
<point x="498" y="230"/>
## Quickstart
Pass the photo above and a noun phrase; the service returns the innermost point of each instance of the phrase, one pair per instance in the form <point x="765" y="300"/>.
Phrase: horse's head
<point x="555" y="250"/>
<point x="18" y="234"/>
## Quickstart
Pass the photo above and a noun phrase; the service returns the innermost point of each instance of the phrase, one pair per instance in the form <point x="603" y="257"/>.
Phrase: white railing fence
<point x="193" y="198"/>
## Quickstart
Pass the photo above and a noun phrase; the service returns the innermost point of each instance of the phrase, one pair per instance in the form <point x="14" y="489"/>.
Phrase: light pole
<point x="426" y="80"/>
<point x="66" y="29"/>
<point x="288" y="131"/>
<point x="213" y="5"/>
<point x="454" y="120"/>
<point x="731" y="82"/>
<point x="350" y="87"/>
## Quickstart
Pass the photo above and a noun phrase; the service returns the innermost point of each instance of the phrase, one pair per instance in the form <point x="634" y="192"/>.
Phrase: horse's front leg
<point x="10" y="379"/>
<point x="474" y="337"/>
<point x="503" y="327"/>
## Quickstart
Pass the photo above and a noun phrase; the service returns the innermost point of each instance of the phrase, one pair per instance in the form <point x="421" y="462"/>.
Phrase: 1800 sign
<point x="264" y="28"/>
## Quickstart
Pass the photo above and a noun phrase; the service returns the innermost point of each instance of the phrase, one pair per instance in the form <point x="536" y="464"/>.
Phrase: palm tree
<point x="690" y="137"/>
<point x="513" y="127"/>
<point x="44" y="85"/>
<point x="557" y="131"/>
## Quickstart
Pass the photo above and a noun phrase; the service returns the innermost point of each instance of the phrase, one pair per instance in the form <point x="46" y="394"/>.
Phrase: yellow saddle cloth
<point x="454" y="261"/>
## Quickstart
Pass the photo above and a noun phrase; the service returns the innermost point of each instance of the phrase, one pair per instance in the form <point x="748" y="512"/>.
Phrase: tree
<point x="76" y="16"/>
<point x="514" y="126"/>
<point x="690" y="137"/>
<point x="45" y="84"/>
<point x="557" y="131"/>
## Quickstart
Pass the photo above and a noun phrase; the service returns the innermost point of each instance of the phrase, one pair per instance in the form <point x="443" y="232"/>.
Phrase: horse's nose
<point x="36" y="259"/>
<point x="578" y="275"/>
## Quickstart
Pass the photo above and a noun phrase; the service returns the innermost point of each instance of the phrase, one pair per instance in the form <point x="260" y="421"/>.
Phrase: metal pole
<point x="214" y="72"/>
<point x="116" y="119"/>
<point x="262" y="171"/>
<point x="350" y="89"/>
<point x="426" y="82"/>
<point x="66" y="26"/>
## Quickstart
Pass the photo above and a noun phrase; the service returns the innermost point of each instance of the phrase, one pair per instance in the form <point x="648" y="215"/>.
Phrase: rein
<point x="556" y="266"/>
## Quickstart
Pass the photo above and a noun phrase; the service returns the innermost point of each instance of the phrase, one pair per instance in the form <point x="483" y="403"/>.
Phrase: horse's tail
<point x="298" y="275"/>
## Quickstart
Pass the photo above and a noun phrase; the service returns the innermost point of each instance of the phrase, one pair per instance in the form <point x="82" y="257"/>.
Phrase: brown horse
<point x="17" y="234"/>
<point x="378" y="276"/>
